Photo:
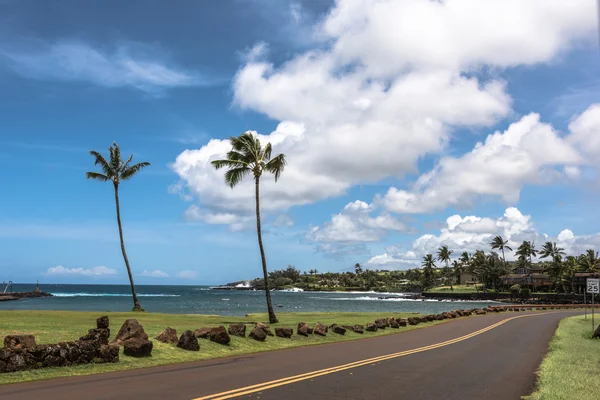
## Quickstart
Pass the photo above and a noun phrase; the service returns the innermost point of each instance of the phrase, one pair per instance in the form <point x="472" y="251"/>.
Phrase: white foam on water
<point x="110" y="295"/>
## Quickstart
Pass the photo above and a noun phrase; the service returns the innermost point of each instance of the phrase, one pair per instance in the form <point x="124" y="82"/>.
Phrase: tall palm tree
<point x="525" y="252"/>
<point x="116" y="170"/>
<point x="443" y="254"/>
<point x="248" y="156"/>
<point x="571" y="266"/>
<point x="498" y="243"/>
<point x="557" y="268"/>
<point x="428" y="278"/>
<point x="590" y="262"/>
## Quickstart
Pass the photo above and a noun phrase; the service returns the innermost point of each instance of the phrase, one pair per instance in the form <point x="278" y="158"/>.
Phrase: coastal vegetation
<point x="570" y="369"/>
<point x="116" y="171"/>
<point x="487" y="272"/>
<point x="58" y="326"/>
<point x="248" y="156"/>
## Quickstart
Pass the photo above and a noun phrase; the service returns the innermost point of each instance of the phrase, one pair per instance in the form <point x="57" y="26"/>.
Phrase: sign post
<point x="593" y="288"/>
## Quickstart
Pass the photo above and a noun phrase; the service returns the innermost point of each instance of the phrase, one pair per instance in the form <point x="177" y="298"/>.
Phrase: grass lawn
<point x="56" y="326"/>
<point x="570" y="369"/>
<point x="457" y="289"/>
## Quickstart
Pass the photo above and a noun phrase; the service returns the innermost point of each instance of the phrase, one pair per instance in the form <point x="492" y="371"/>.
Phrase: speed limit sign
<point x="593" y="285"/>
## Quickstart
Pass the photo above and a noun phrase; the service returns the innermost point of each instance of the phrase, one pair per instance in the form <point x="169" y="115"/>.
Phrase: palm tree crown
<point x="248" y="156"/>
<point x="114" y="169"/>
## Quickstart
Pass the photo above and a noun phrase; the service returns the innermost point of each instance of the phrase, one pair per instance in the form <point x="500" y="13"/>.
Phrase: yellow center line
<point x="313" y="374"/>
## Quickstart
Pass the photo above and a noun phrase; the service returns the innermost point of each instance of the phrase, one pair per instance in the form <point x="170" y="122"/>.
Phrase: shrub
<point x="515" y="289"/>
<point x="525" y="292"/>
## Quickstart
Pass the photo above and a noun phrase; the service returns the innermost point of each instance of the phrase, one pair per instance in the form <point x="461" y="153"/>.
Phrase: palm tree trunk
<point x="272" y="317"/>
<point x="136" y="303"/>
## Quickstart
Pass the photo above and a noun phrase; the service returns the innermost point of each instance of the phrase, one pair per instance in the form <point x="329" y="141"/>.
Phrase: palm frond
<point x="126" y="165"/>
<point x="115" y="157"/>
<point x="276" y="165"/>
<point x="104" y="165"/>
<point x="237" y="156"/>
<point x="97" y="176"/>
<point x="266" y="153"/>
<point x="218" y="164"/>
<point x="132" y="170"/>
<point x="246" y="144"/>
<point x="235" y="175"/>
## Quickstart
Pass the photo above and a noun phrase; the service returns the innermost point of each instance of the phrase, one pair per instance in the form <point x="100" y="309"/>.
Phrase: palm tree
<point x="525" y="252"/>
<point x="443" y="254"/>
<point x="428" y="278"/>
<point x="247" y="156"/>
<point x="500" y="244"/>
<point x="571" y="266"/>
<point x="116" y="171"/>
<point x="590" y="262"/>
<point x="556" y="270"/>
<point x="358" y="269"/>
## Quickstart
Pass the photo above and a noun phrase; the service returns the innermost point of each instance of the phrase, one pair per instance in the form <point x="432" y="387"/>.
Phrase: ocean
<point x="203" y="300"/>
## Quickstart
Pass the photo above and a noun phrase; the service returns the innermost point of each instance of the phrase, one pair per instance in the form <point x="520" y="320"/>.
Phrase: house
<point x="579" y="283"/>
<point x="468" y="279"/>
<point x="528" y="276"/>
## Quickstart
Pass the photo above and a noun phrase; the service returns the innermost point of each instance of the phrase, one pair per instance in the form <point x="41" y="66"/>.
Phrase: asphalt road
<point x="468" y="358"/>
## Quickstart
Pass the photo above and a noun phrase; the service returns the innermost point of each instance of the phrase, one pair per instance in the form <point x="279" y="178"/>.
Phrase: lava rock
<point x="338" y="329"/>
<point x="219" y="335"/>
<point x="16" y="342"/>
<point x="108" y="354"/>
<point x="382" y="323"/>
<point x="131" y="329"/>
<point x="371" y="328"/>
<point x="265" y="327"/>
<point x="136" y="347"/>
<point x="284" y="332"/>
<point x="102" y="322"/>
<point x="99" y="335"/>
<point x="258" y="334"/>
<point x="320" y="329"/>
<point x="188" y="341"/>
<point x="303" y="329"/>
<point x="169" y="336"/>
<point x="237" y="330"/>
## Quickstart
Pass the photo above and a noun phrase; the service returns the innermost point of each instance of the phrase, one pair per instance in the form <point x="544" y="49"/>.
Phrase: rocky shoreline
<point x="23" y="295"/>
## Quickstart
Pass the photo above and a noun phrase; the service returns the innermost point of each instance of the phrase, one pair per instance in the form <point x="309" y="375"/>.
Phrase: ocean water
<point x="202" y="300"/>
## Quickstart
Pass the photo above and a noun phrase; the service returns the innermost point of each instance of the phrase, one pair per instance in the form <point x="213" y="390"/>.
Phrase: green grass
<point x="457" y="289"/>
<point x="570" y="369"/>
<point x="56" y="326"/>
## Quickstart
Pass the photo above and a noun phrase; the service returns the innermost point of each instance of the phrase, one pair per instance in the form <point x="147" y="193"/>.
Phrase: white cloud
<point x="390" y="83"/>
<point x="94" y="271"/>
<point x="349" y="231"/>
<point x="157" y="273"/>
<point x="526" y="153"/>
<point x="187" y="274"/>
<point x="283" y="221"/>
<point x="471" y="233"/>
<point x="585" y="133"/>
<point x="76" y="61"/>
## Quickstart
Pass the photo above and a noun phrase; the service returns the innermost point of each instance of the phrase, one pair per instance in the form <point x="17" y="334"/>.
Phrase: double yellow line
<point x="309" y="375"/>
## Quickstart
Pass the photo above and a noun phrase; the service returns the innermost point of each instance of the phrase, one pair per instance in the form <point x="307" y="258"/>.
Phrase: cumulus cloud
<point x="349" y="231"/>
<point x="157" y="273"/>
<point x="471" y="233"/>
<point x="187" y="274"/>
<point x="526" y="153"/>
<point x="371" y="100"/>
<point x="585" y="133"/>
<point x="94" y="271"/>
<point x="135" y="66"/>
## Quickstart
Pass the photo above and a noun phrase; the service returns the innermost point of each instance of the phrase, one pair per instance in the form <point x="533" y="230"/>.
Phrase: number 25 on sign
<point x="593" y="286"/>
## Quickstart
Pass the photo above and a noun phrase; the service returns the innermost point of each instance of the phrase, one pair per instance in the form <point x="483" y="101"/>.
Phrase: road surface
<point x="489" y="357"/>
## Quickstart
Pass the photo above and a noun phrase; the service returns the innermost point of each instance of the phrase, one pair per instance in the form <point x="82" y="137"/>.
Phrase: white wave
<point x="367" y="298"/>
<point x="110" y="295"/>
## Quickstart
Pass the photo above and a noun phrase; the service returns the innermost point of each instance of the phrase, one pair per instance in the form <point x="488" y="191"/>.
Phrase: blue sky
<point x="380" y="118"/>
